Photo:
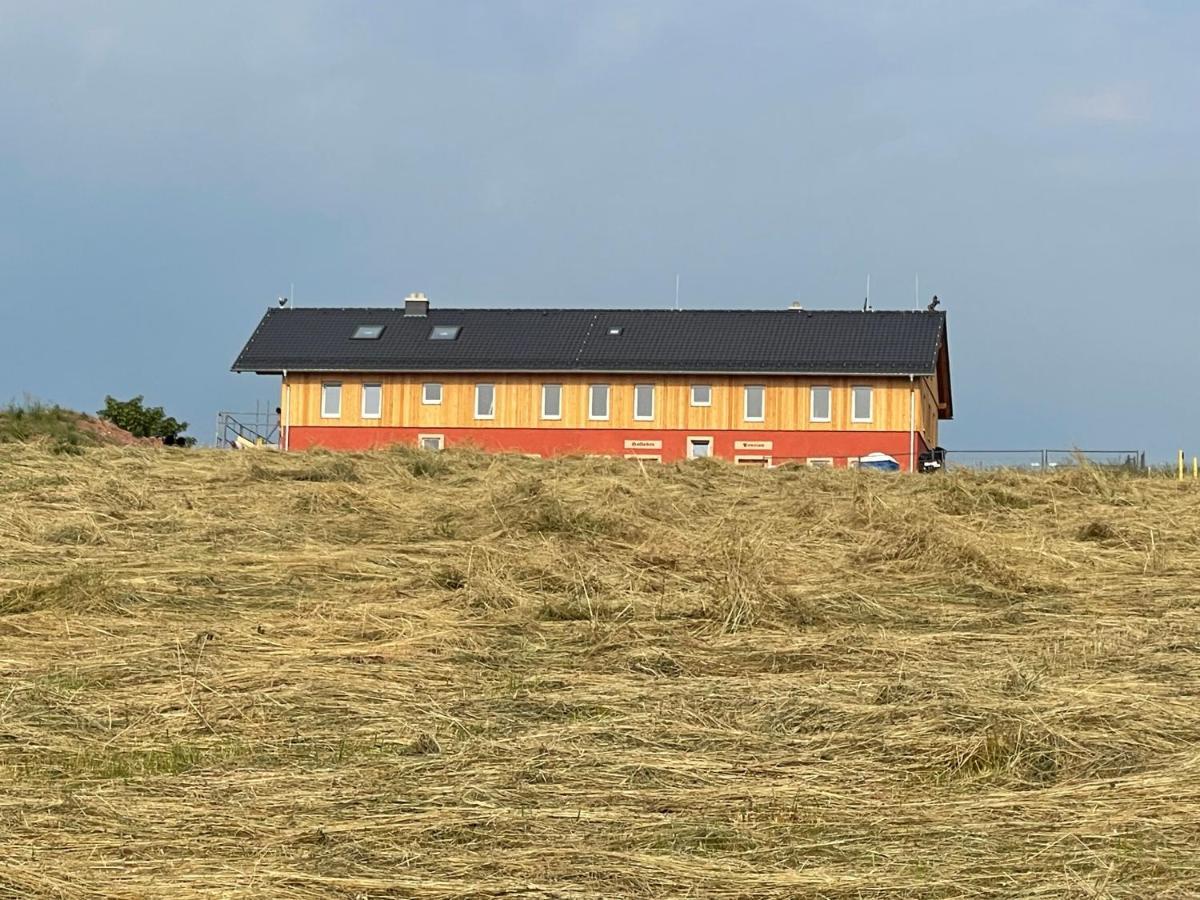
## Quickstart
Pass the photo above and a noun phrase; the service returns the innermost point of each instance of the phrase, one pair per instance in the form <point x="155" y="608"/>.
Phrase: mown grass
<point x="402" y="674"/>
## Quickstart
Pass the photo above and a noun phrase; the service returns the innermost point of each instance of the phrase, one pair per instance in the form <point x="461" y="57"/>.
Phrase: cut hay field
<point x="407" y="675"/>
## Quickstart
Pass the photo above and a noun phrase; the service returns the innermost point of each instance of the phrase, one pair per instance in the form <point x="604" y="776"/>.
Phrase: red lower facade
<point x="751" y="447"/>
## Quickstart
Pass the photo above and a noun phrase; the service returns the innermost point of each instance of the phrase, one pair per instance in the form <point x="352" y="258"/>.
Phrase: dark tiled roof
<point x="780" y="341"/>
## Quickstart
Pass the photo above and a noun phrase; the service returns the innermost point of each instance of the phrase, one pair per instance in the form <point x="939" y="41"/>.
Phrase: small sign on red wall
<point x="643" y="445"/>
<point x="753" y="445"/>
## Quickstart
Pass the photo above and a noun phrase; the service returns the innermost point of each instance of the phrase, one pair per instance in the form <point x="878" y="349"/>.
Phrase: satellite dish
<point x="283" y="301"/>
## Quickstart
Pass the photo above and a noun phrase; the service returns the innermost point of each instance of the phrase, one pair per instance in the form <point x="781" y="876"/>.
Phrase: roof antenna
<point x="292" y="293"/>
<point x="916" y="291"/>
<point x="867" y="302"/>
<point x="676" y="292"/>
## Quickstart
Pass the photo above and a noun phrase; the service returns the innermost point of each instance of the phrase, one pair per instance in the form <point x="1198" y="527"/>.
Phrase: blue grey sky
<point x="168" y="169"/>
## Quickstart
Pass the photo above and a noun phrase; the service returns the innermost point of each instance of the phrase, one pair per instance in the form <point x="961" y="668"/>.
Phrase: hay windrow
<point x="403" y="674"/>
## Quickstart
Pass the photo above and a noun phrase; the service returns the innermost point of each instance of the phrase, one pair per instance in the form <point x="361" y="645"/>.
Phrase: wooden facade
<point x="898" y="404"/>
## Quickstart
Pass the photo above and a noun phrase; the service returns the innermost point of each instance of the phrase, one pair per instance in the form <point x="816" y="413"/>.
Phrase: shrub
<point x="144" y="421"/>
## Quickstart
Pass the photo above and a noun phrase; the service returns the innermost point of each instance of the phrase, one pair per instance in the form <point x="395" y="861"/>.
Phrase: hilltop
<point x="62" y="430"/>
<point x="403" y="674"/>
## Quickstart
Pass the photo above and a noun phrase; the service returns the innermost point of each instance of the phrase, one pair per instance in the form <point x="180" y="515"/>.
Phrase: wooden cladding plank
<point x="518" y="403"/>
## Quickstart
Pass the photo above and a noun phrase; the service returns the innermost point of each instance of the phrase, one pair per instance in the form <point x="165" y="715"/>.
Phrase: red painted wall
<point x="787" y="445"/>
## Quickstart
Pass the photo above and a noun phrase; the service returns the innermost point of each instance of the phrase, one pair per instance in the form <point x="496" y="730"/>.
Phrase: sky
<point x="167" y="169"/>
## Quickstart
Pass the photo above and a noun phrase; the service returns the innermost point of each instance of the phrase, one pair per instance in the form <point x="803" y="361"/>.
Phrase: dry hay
<point x="419" y="675"/>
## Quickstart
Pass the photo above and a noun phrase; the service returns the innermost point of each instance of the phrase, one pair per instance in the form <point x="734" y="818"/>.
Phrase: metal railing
<point x="247" y="429"/>
<point x="1044" y="459"/>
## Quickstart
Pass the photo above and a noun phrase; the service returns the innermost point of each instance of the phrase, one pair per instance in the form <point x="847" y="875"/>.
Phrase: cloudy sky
<point x="168" y="169"/>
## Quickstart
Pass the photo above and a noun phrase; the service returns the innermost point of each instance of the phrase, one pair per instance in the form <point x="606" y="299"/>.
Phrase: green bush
<point x="144" y="421"/>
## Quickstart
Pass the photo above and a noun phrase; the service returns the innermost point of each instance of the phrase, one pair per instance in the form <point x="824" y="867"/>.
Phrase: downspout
<point x="287" y="411"/>
<point x="912" y="424"/>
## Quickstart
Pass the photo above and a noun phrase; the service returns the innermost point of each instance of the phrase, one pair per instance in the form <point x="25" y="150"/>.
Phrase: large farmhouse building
<point x="758" y="387"/>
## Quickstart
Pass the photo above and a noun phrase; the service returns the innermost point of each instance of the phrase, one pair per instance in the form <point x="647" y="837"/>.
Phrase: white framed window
<point x="598" y="401"/>
<point x="431" y="393"/>
<point x="485" y="401"/>
<point x="701" y="395"/>
<point x="331" y="400"/>
<point x="861" y="401"/>
<point x="431" y="441"/>
<point x="643" y="402"/>
<point x="755" y="402"/>
<point x="551" y="401"/>
<point x="820" y="462"/>
<point x="699" y="447"/>
<point x="762" y="462"/>
<point x="372" y="401"/>
<point x="820" y="403"/>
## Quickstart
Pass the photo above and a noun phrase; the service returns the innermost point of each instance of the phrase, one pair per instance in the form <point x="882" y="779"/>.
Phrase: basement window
<point x="367" y="333"/>
<point x="445" y="332"/>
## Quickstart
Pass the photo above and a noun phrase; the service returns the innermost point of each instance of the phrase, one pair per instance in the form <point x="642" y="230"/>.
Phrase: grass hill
<point x="59" y="429"/>
<point x="412" y="675"/>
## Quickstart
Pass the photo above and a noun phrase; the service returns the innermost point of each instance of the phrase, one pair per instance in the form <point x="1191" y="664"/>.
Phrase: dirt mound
<point x="108" y="433"/>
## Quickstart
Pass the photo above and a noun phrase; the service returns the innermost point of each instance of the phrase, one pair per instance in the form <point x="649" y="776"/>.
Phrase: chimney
<point x="416" y="305"/>
<point x="797" y="306"/>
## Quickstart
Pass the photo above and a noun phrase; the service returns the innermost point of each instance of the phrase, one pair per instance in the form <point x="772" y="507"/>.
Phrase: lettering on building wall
<point x="643" y="445"/>
<point x="753" y="445"/>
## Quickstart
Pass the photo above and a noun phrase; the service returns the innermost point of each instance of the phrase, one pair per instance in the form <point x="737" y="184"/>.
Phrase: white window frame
<point x="372" y="384"/>
<point x="636" y="389"/>
<point x="693" y="439"/>
<point x="820" y="462"/>
<point x="425" y="401"/>
<point x="753" y="459"/>
<point x="746" y="417"/>
<point x="325" y="388"/>
<point x="546" y="415"/>
<point x="607" y="402"/>
<point x="812" y="403"/>
<point x="422" y="438"/>
<point x="870" y="403"/>
<point x="692" y="395"/>
<point x="492" y="414"/>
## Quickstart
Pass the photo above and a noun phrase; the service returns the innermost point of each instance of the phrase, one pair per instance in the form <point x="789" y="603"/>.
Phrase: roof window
<point x="615" y="330"/>
<point x="367" y="333"/>
<point x="445" y="332"/>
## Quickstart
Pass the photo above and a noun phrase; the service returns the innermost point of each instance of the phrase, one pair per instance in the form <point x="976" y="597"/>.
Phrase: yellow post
<point x="1181" y="465"/>
<point x="1195" y="468"/>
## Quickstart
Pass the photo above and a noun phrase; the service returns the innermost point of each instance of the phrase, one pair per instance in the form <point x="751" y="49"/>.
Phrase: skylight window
<point x="367" y="333"/>
<point x="615" y="330"/>
<point x="445" y="332"/>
